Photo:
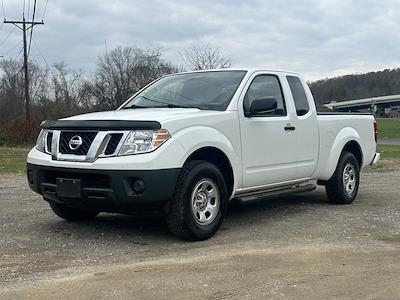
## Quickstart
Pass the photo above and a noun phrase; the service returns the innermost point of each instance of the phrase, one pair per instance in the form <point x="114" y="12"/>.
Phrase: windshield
<point x="204" y="90"/>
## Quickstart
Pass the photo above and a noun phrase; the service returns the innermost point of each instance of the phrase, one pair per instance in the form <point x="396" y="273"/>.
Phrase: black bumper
<point x="117" y="191"/>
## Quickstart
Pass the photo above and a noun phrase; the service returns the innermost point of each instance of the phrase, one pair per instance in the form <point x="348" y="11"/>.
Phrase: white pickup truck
<point x="188" y="143"/>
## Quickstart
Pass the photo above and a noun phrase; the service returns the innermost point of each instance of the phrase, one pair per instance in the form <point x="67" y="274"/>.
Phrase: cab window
<point x="299" y="95"/>
<point x="265" y="86"/>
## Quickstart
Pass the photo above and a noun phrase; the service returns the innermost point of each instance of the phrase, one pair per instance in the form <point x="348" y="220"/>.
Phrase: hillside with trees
<point x="356" y="86"/>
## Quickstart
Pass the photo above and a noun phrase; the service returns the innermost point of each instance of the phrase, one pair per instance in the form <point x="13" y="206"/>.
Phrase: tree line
<point x="58" y="90"/>
<point x="356" y="86"/>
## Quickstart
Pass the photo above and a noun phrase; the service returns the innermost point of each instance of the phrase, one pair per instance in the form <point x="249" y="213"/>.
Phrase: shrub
<point x="18" y="132"/>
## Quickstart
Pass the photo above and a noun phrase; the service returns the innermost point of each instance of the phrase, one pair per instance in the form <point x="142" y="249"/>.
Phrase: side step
<point x="274" y="194"/>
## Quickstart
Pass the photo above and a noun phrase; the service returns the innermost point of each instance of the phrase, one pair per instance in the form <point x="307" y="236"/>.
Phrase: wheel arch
<point x="355" y="148"/>
<point x="346" y="140"/>
<point x="218" y="158"/>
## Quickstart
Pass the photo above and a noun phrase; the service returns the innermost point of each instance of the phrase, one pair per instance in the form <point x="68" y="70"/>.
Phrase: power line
<point x="29" y="7"/>
<point x="20" y="58"/>
<point x="41" y="82"/>
<point x="11" y="49"/>
<point x="46" y="71"/>
<point x="45" y="9"/>
<point x="8" y="35"/>
<point x="4" y="12"/>
<point x="41" y="54"/>
<point x="33" y="20"/>
<point x="20" y="52"/>
<point x="29" y="11"/>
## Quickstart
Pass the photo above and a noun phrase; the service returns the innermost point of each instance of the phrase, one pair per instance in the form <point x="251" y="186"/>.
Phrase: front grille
<point x="113" y="143"/>
<point x="87" y="140"/>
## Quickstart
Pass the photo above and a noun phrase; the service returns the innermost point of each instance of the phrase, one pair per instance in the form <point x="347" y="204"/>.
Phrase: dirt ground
<point x="297" y="247"/>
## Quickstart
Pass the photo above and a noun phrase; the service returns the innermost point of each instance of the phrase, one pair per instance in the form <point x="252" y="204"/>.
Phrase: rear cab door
<point x="306" y="126"/>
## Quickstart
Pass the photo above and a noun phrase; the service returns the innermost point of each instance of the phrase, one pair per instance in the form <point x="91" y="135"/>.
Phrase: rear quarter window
<point x="299" y="95"/>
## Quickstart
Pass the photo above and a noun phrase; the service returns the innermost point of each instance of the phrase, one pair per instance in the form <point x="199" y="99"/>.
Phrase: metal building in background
<point x="386" y="106"/>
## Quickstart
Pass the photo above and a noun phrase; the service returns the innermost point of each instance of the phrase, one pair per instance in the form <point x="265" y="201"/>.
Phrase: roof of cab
<point x="250" y="70"/>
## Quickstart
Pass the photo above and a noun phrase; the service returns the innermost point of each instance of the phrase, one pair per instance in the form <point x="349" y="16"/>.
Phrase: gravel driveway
<point x="289" y="248"/>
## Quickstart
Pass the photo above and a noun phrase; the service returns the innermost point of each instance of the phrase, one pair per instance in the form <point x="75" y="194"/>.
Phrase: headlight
<point x="41" y="141"/>
<point x="143" y="141"/>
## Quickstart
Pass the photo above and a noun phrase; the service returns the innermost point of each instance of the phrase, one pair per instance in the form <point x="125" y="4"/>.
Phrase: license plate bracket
<point x="68" y="188"/>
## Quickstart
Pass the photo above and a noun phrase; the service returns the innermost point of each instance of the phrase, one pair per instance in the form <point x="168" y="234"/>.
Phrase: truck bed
<point x="333" y="127"/>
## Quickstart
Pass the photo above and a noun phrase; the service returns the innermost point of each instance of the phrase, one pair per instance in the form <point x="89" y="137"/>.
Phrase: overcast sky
<point x="318" y="38"/>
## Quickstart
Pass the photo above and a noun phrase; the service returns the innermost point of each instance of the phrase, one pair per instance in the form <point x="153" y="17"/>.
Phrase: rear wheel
<point x="200" y="202"/>
<point x="342" y="188"/>
<point x="71" y="214"/>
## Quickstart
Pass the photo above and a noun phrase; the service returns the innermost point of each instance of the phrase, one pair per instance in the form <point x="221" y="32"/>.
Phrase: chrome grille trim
<point x="96" y="149"/>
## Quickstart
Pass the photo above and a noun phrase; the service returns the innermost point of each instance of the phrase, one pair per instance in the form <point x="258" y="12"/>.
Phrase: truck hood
<point x="145" y="114"/>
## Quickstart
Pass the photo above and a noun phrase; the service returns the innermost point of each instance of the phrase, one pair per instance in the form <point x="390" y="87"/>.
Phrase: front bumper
<point x="107" y="190"/>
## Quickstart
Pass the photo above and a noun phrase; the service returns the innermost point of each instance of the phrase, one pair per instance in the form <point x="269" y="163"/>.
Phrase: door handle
<point x="289" y="127"/>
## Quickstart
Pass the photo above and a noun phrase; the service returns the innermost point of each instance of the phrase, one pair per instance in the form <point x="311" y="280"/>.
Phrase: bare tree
<point x="204" y="57"/>
<point x="11" y="88"/>
<point x="61" y="91"/>
<point x="123" y="71"/>
<point x="67" y="84"/>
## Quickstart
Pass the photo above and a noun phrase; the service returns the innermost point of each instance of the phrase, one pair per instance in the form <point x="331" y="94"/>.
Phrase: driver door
<point x="268" y="141"/>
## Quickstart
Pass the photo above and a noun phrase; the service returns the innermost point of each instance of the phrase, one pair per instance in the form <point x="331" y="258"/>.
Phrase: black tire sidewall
<point x="346" y="158"/>
<point x="199" y="172"/>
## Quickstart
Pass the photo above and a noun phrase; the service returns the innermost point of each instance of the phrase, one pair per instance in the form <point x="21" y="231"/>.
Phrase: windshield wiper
<point x="181" y="106"/>
<point x="152" y="100"/>
<point x="134" y="106"/>
<point x="168" y="105"/>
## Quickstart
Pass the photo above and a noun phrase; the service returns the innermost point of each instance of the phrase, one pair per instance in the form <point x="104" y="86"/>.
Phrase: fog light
<point x="138" y="186"/>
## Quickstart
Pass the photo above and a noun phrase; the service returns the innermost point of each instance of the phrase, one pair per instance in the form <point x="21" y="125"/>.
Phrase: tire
<point x="200" y="202"/>
<point x="342" y="188"/>
<point x="71" y="214"/>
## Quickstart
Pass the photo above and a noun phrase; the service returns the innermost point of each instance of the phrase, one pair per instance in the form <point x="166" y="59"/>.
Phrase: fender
<point x="197" y="137"/>
<point x="346" y="135"/>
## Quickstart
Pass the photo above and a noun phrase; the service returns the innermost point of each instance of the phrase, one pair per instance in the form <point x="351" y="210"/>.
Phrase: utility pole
<point x="23" y="26"/>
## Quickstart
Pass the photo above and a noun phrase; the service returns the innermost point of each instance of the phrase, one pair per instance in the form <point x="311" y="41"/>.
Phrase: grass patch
<point x="13" y="159"/>
<point x="384" y="165"/>
<point x="389" y="128"/>
<point x="389" y="151"/>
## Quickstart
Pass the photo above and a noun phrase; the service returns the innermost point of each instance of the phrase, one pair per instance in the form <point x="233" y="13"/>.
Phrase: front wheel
<point x="342" y="188"/>
<point x="200" y="202"/>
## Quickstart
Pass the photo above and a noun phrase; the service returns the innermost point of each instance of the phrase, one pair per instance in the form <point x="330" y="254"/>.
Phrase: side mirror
<point x="262" y="105"/>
